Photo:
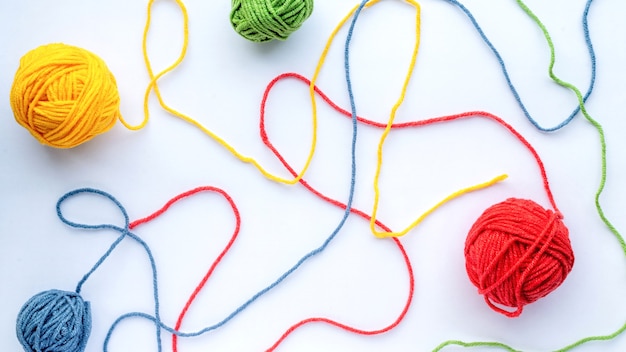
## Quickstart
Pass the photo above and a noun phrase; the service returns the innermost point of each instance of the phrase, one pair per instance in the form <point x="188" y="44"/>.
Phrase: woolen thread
<point x="54" y="321"/>
<point x="264" y="20"/>
<point x="64" y="95"/>
<point x="516" y="253"/>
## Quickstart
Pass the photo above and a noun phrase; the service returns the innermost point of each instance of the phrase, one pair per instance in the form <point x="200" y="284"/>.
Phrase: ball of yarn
<point x="64" y="95"/>
<point x="264" y="20"/>
<point x="54" y="321"/>
<point x="517" y="252"/>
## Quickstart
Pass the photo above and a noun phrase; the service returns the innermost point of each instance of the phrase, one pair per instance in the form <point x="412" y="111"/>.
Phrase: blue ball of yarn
<point x="54" y="321"/>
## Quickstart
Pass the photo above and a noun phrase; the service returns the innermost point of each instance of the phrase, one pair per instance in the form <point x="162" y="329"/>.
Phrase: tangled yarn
<point x="264" y="20"/>
<point x="517" y="252"/>
<point x="64" y="95"/>
<point x="54" y="321"/>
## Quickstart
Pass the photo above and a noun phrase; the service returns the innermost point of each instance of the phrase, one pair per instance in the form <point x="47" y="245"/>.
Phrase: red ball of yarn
<point x="517" y="252"/>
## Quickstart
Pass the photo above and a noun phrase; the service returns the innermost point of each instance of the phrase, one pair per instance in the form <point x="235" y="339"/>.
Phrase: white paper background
<point x="359" y="280"/>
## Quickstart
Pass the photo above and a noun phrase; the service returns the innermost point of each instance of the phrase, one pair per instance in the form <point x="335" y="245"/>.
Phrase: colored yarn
<point x="54" y="321"/>
<point x="264" y="20"/>
<point x="64" y="95"/>
<point x="592" y="56"/>
<point x="517" y="252"/>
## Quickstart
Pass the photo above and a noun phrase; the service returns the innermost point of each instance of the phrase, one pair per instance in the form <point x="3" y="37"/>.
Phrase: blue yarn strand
<point x="307" y="256"/>
<point x="509" y="82"/>
<point x="124" y="232"/>
<point x="121" y="230"/>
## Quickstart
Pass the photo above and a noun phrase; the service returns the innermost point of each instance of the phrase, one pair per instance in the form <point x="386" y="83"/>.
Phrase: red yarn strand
<point x="215" y="263"/>
<point x="434" y="120"/>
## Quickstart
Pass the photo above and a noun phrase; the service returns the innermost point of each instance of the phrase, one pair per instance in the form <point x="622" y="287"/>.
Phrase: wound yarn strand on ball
<point x="264" y="20"/>
<point x="54" y="321"/>
<point x="516" y="253"/>
<point x="64" y="95"/>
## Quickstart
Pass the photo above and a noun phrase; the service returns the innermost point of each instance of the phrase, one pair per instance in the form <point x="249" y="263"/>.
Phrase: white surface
<point x="359" y="280"/>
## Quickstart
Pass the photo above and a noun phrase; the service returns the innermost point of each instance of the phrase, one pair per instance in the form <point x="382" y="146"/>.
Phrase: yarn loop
<point x="264" y="20"/>
<point x="517" y="252"/>
<point x="54" y="321"/>
<point x="64" y="95"/>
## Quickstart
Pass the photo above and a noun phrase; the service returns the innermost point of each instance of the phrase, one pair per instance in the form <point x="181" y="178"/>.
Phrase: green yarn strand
<point x="264" y="20"/>
<point x="497" y="345"/>
<point x="504" y="347"/>
<point x="591" y="120"/>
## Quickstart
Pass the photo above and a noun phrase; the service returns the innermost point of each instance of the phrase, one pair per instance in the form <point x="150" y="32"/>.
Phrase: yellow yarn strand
<point x="394" y="109"/>
<point x="153" y="86"/>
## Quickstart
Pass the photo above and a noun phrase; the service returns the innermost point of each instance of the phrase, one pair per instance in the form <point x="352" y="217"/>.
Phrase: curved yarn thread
<point x="64" y="95"/>
<point x="264" y="20"/>
<point x="590" y="50"/>
<point x="592" y="121"/>
<point x="215" y="263"/>
<point x="124" y="232"/>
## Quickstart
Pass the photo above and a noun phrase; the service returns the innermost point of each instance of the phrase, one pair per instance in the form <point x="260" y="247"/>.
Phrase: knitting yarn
<point x="264" y="20"/>
<point x="54" y="321"/>
<point x="517" y="252"/>
<point x="64" y="95"/>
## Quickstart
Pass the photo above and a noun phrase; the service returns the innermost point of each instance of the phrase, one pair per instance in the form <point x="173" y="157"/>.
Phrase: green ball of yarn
<point x="264" y="20"/>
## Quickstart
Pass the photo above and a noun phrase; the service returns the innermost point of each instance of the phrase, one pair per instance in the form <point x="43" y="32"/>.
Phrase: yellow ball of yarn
<point x="64" y="95"/>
